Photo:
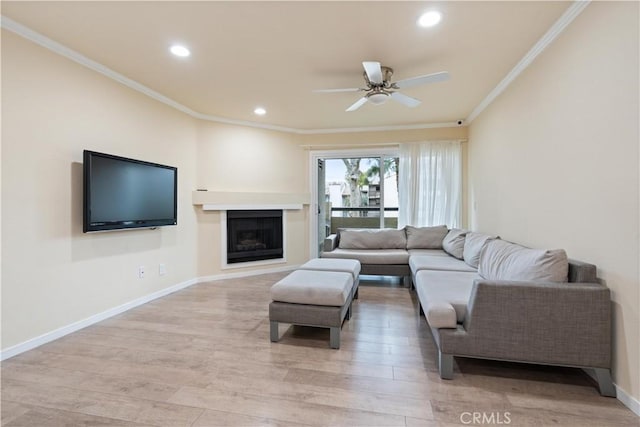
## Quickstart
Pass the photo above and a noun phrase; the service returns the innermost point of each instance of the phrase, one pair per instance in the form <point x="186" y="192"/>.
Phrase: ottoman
<point x="336" y="264"/>
<point x="312" y="298"/>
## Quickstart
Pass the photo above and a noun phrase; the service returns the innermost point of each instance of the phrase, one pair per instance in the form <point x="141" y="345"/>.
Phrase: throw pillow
<point x="500" y="260"/>
<point x="453" y="242"/>
<point x="373" y="239"/>
<point x="425" y="237"/>
<point x="473" y="244"/>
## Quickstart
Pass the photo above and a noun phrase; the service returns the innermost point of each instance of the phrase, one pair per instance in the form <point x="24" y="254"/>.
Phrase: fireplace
<point x="254" y="235"/>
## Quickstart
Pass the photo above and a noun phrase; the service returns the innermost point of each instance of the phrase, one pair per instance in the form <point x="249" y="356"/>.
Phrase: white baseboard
<point x="624" y="397"/>
<point x="76" y="326"/>
<point x="628" y="400"/>
<point x="81" y="324"/>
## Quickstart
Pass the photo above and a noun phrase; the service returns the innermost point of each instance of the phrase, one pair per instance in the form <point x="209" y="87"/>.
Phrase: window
<point x="361" y="192"/>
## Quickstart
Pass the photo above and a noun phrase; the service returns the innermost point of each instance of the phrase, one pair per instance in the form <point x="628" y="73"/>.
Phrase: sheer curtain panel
<point x="430" y="184"/>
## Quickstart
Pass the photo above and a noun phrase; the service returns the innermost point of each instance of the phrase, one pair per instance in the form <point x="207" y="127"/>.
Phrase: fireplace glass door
<point x="254" y="235"/>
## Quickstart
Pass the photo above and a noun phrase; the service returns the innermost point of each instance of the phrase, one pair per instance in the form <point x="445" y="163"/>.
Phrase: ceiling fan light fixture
<point x="378" y="98"/>
<point x="429" y="19"/>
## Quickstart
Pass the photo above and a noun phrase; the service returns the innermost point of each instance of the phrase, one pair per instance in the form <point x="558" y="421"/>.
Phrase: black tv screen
<point x="122" y="193"/>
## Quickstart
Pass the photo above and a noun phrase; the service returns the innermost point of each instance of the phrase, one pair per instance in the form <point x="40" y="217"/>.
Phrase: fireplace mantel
<point x="226" y="201"/>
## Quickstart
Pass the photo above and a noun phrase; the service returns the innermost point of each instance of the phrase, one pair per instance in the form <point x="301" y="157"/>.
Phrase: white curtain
<point x="430" y="184"/>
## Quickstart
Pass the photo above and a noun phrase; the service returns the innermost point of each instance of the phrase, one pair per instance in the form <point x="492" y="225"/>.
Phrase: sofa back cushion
<point x="453" y="242"/>
<point x="501" y="260"/>
<point x="372" y="239"/>
<point x="473" y="244"/>
<point x="425" y="237"/>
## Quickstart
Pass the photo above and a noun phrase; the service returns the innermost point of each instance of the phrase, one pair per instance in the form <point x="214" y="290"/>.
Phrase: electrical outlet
<point x="141" y="272"/>
<point x="162" y="269"/>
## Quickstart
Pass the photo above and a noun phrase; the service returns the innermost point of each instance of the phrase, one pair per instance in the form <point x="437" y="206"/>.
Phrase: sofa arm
<point x="544" y="322"/>
<point x="330" y="242"/>
<point x="440" y="314"/>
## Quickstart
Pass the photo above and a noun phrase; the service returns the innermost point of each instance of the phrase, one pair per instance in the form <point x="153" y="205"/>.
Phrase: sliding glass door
<point x="359" y="192"/>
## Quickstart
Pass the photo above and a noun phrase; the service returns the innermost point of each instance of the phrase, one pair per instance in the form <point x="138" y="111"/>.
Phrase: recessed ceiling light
<point x="260" y="111"/>
<point x="180" y="51"/>
<point x="429" y="19"/>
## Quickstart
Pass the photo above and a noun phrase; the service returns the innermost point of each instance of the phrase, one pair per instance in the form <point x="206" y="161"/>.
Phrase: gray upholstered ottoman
<point x="312" y="298"/>
<point x="334" y="264"/>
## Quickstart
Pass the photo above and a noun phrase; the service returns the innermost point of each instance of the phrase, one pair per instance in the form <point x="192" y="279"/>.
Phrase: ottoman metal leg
<point x="275" y="336"/>
<point x="334" y="337"/>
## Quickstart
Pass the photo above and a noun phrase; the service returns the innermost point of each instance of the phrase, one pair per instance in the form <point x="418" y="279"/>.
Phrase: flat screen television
<point x="122" y="193"/>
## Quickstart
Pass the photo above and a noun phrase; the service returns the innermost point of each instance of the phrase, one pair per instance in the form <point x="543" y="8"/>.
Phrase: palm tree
<point x="391" y="165"/>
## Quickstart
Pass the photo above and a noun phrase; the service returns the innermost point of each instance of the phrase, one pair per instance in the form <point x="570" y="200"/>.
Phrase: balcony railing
<point x="361" y="217"/>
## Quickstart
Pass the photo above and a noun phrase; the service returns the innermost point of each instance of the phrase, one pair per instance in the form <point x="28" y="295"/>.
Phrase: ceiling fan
<point x="380" y="88"/>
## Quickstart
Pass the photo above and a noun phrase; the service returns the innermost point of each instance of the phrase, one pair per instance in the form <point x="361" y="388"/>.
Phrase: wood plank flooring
<point x="202" y="357"/>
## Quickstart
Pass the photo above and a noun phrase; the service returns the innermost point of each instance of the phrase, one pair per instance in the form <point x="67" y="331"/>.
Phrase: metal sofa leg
<point x="445" y="365"/>
<point x="273" y="326"/>
<point x="348" y="315"/>
<point x="334" y="337"/>
<point x="605" y="384"/>
<point x="406" y="281"/>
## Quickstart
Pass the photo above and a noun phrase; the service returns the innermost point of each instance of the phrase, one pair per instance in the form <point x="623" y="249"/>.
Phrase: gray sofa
<point x="484" y="297"/>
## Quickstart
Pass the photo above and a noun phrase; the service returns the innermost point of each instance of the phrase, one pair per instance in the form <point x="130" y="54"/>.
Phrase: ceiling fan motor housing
<point x="387" y="72"/>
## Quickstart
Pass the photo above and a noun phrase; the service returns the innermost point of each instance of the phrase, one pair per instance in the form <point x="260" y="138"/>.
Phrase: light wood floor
<point x="202" y="357"/>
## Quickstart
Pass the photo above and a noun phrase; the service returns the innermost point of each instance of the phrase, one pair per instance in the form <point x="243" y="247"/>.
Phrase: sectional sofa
<point x="484" y="297"/>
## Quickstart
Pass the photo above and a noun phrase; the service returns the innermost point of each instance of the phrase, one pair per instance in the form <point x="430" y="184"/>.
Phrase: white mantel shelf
<point x="227" y="201"/>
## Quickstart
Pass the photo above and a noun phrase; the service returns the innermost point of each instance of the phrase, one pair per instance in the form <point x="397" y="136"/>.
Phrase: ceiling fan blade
<point x="373" y="70"/>
<point x="359" y="103"/>
<point x="351" y="89"/>
<point x="420" y="80"/>
<point x="406" y="100"/>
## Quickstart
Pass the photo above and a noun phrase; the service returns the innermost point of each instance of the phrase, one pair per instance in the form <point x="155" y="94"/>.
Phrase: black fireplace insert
<point x="254" y="235"/>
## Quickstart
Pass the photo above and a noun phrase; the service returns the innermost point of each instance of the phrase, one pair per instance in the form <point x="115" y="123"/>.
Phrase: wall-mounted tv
<point x="122" y="193"/>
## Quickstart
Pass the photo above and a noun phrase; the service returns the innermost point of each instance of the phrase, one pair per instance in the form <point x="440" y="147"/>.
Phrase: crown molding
<point x="556" y="29"/>
<point x="77" y="57"/>
<point x="52" y="45"/>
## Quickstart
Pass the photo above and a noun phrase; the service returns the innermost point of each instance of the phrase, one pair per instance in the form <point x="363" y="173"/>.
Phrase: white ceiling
<point x="273" y="54"/>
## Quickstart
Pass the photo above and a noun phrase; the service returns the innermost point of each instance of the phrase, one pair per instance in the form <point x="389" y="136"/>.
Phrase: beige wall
<point x="52" y="273"/>
<point x="359" y="139"/>
<point x="554" y="162"/>
<point x="242" y="159"/>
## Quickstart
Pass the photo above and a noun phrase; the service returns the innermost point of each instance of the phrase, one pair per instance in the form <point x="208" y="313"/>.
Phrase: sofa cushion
<point x="425" y="237"/>
<point x="373" y="239"/>
<point x="428" y="262"/>
<point x="436" y="289"/>
<point x="371" y="256"/>
<point x="473" y="243"/>
<point x="431" y="252"/>
<point x="453" y="242"/>
<point x="500" y="260"/>
<point x="351" y="266"/>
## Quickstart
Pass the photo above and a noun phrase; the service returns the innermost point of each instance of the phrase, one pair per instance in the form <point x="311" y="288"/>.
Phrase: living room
<point x="551" y="161"/>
